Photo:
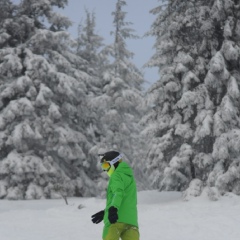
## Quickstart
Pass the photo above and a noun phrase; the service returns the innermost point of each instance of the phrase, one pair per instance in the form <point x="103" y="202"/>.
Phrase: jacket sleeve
<point x="117" y="188"/>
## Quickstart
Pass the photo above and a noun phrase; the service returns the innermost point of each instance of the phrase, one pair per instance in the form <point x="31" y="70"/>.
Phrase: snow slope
<point x="162" y="216"/>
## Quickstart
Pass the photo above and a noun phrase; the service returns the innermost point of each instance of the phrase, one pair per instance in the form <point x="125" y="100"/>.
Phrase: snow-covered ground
<point x="162" y="216"/>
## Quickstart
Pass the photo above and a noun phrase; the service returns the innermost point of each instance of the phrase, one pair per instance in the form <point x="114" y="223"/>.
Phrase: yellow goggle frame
<point x="105" y="166"/>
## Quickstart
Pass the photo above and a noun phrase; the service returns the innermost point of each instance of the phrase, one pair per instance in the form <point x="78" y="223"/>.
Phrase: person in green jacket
<point x="120" y="215"/>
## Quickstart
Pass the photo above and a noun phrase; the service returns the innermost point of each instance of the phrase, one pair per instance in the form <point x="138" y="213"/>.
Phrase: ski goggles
<point x="106" y="165"/>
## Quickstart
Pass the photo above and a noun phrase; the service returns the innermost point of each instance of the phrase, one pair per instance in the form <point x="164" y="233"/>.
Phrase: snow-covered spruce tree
<point x="89" y="43"/>
<point x="42" y="105"/>
<point x="119" y="106"/>
<point x="89" y="47"/>
<point x="194" y="120"/>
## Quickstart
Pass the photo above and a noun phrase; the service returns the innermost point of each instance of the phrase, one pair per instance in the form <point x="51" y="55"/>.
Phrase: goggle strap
<point x="116" y="159"/>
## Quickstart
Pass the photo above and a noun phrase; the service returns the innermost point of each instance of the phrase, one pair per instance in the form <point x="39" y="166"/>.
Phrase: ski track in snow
<point x="162" y="216"/>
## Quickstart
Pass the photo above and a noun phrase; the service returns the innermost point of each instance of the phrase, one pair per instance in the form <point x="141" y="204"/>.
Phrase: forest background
<point x="64" y="100"/>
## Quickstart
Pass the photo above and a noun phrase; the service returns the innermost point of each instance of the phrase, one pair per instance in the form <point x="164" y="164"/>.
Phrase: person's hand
<point x="112" y="215"/>
<point x="97" y="217"/>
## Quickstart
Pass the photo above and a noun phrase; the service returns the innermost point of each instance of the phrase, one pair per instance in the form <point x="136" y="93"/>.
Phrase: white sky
<point x="137" y="13"/>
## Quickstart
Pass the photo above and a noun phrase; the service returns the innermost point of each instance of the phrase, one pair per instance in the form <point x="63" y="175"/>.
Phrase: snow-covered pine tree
<point x="43" y="105"/>
<point x="119" y="106"/>
<point x="89" y="43"/>
<point x="89" y="47"/>
<point x="195" y="104"/>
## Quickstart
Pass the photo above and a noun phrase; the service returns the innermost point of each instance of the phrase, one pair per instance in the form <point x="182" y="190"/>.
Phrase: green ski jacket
<point x="122" y="194"/>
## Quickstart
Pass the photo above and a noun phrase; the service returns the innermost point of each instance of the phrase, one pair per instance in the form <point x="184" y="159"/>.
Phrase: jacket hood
<point x="123" y="167"/>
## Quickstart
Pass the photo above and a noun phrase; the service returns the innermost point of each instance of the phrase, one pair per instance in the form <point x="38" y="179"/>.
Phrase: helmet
<point x="110" y="161"/>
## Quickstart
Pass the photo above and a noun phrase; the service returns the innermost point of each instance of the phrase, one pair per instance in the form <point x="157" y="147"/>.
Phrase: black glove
<point x="112" y="214"/>
<point x="97" y="217"/>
